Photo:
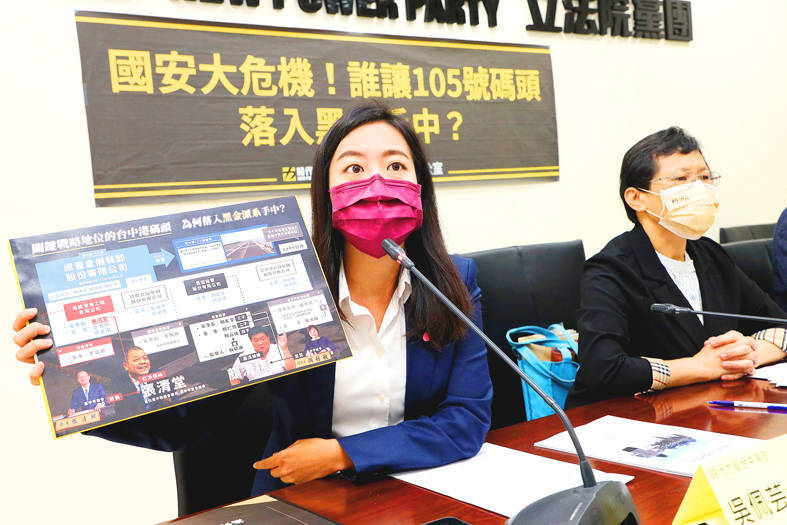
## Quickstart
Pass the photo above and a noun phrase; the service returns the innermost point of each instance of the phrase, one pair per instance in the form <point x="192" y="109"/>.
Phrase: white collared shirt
<point x="370" y="386"/>
<point x="684" y="275"/>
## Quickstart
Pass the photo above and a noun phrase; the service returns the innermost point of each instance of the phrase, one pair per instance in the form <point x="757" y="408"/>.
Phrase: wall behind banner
<point x="610" y="92"/>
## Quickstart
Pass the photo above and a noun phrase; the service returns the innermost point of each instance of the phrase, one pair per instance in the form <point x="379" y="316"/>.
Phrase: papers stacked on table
<point x="776" y="374"/>
<point x="501" y="479"/>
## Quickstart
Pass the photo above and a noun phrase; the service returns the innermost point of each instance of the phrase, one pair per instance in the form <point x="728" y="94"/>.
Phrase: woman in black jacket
<point x="624" y="348"/>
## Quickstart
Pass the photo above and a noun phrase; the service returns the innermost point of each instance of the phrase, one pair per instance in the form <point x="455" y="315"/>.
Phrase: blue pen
<point x="775" y="407"/>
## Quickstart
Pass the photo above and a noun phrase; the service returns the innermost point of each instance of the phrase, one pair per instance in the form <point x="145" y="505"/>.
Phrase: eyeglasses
<point x="711" y="178"/>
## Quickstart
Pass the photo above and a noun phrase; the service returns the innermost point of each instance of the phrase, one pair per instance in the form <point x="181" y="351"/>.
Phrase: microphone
<point x="396" y="253"/>
<point x="605" y="503"/>
<point x="663" y="308"/>
<point x="671" y="309"/>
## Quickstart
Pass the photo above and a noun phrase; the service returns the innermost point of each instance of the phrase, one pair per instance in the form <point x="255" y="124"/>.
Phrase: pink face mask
<point x="370" y="210"/>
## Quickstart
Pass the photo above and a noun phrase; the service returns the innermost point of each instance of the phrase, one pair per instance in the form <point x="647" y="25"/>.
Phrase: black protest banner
<point x="179" y="109"/>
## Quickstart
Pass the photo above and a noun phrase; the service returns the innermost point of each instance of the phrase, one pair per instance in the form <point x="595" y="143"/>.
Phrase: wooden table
<point x="656" y="495"/>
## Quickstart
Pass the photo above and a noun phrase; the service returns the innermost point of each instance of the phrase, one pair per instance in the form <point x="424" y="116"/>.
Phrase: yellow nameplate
<point x="77" y="420"/>
<point x="747" y="486"/>
<point x="313" y="359"/>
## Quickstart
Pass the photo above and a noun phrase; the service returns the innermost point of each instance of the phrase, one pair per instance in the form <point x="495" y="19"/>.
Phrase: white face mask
<point x="687" y="210"/>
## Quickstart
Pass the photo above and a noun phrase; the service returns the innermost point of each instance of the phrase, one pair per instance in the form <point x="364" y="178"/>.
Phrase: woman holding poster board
<point x="416" y="392"/>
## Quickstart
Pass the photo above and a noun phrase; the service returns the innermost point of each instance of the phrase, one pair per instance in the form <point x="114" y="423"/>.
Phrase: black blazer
<point x="616" y="325"/>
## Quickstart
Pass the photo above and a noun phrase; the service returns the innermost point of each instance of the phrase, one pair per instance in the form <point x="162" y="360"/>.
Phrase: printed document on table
<point x="501" y="479"/>
<point x="775" y="374"/>
<point x="676" y="450"/>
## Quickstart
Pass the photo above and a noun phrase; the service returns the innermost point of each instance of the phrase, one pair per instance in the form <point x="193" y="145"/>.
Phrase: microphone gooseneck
<point x="605" y="503"/>
<point x="397" y="253"/>
<point x="671" y="309"/>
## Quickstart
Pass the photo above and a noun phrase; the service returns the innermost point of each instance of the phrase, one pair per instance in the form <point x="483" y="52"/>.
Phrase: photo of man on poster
<point x="264" y="359"/>
<point x="87" y="395"/>
<point x="136" y="386"/>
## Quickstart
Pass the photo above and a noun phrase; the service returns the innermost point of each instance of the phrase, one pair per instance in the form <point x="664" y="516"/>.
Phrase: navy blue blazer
<point x="448" y="397"/>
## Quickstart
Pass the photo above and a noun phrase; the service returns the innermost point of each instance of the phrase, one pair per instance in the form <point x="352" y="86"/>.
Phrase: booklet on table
<point x="675" y="450"/>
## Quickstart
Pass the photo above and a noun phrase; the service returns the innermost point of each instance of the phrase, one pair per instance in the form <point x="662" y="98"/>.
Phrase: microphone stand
<point x="671" y="309"/>
<point x="605" y="503"/>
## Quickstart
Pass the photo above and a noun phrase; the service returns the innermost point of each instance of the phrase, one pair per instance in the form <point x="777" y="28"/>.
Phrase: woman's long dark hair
<point x="425" y="246"/>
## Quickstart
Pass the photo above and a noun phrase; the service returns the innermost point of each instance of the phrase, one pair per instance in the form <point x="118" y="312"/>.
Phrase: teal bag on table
<point x="547" y="356"/>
